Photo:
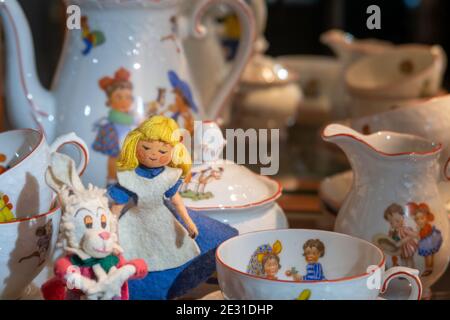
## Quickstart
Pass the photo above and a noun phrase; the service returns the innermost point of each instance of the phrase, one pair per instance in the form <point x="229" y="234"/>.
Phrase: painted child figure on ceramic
<point x="44" y="235"/>
<point x="150" y="170"/>
<point x="113" y="130"/>
<point x="93" y="267"/>
<point x="313" y="250"/>
<point x="265" y="261"/>
<point x="404" y="236"/>
<point x="430" y="238"/>
<point x="184" y="104"/>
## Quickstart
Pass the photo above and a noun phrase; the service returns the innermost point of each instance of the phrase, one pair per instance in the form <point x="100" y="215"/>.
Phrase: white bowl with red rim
<point x="354" y="268"/>
<point x="235" y="195"/>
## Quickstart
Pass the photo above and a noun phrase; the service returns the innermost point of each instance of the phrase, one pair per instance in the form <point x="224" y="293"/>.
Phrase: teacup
<point x="407" y="72"/>
<point x="26" y="246"/>
<point x="294" y="264"/>
<point x="27" y="157"/>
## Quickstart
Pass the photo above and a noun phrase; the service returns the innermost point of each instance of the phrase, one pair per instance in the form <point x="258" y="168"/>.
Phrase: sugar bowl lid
<point x="216" y="184"/>
<point x="224" y="185"/>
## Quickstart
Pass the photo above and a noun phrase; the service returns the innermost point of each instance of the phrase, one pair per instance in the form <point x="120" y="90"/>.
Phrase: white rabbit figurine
<point x="93" y="267"/>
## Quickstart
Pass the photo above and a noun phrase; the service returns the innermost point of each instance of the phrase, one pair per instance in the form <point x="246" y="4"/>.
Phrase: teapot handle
<point x="246" y="45"/>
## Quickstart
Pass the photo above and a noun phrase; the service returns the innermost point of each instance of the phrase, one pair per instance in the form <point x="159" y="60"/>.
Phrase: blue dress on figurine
<point x="150" y="166"/>
<point x="149" y="230"/>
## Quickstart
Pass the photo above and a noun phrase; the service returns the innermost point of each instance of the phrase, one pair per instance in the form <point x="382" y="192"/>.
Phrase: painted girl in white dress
<point x="151" y="166"/>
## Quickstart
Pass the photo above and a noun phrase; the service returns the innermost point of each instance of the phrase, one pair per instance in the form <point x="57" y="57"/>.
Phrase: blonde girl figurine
<point x="151" y="165"/>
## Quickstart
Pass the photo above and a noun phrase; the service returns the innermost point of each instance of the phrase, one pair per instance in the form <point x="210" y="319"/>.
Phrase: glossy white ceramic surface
<point x="334" y="189"/>
<point x="345" y="265"/>
<point x="18" y="242"/>
<point x="238" y="188"/>
<point x="228" y="192"/>
<point x="27" y="158"/>
<point x="429" y="119"/>
<point x="401" y="170"/>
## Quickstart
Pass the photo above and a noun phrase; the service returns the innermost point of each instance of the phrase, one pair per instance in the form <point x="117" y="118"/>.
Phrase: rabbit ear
<point x="62" y="172"/>
<point x="75" y="181"/>
<point x="52" y="181"/>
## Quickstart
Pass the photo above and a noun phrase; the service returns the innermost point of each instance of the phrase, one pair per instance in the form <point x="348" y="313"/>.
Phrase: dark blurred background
<point x="294" y="26"/>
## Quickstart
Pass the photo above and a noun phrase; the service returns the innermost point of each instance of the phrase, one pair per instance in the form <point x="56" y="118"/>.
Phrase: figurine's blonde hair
<point x="157" y="128"/>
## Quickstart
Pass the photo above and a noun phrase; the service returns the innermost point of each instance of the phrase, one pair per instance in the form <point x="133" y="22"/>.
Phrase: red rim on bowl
<point x="360" y="276"/>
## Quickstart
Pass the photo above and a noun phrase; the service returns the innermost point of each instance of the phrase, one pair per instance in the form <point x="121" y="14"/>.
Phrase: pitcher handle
<point x="411" y="275"/>
<point x="76" y="141"/>
<point x="246" y="45"/>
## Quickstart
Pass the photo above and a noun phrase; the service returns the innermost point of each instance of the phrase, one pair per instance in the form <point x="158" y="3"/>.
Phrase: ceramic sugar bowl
<point x="268" y="97"/>
<point x="228" y="192"/>
<point x="394" y="201"/>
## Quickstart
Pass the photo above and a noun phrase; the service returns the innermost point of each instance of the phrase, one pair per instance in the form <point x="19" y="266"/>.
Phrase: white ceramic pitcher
<point x="124" y="64"/>
<point x="394" y="201"/>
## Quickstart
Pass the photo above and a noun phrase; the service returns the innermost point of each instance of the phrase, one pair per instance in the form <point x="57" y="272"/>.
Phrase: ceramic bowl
<point x="340" y="267"/>
<point x="26" y="245"/>
<point x="234" y="195"/>
<point x="407" y="72"/>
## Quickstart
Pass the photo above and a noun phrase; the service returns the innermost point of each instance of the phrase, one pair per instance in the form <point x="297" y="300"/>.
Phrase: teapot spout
<point x="29" y="104"/>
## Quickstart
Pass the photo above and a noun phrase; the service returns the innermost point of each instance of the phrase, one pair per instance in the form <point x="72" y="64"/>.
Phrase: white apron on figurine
<point x="168" y="244"/>
<point x="150" y="170"/>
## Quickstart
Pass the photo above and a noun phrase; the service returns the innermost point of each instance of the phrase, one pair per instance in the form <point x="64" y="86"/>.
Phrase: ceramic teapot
<point x="125" y="63"/>
<point x="394" y="201"/>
